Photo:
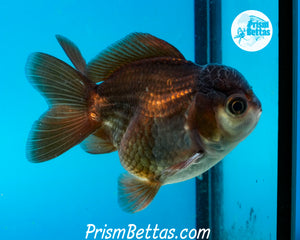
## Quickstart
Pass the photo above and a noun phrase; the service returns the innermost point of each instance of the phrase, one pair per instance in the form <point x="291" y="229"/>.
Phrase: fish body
<point x="169" y="119"/>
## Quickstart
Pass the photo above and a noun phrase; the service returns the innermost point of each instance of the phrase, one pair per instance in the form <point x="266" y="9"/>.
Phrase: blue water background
<point x="57" y="199"/>
<point x="250" y="171"/>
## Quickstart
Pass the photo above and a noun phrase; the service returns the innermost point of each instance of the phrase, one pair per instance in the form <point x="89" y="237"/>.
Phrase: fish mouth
<point x="259" y="113"/>
<point x="256" y="104"/>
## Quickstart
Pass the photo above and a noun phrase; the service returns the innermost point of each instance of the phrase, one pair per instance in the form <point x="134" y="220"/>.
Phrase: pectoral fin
<point x="180" y="166"/>
<point x="135" y="194"/>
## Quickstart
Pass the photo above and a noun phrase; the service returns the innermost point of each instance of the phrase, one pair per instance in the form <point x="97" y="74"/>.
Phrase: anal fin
<point x="98" y="142"/>
<point x="136" y="194"/>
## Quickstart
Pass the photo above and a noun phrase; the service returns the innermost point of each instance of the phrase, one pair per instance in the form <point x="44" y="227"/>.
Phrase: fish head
<point x="226" y="110"/>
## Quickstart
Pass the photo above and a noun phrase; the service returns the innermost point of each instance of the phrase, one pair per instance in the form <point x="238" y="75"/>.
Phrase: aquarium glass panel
<point x="298" y="141"/>
<point x="250" y="171"/>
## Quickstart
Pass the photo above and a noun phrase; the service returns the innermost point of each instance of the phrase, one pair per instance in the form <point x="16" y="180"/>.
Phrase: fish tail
<point x="68" y="120"/>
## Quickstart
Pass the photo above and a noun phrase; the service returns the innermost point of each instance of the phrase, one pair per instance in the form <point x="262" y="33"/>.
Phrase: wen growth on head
<point x="169" y="119"/>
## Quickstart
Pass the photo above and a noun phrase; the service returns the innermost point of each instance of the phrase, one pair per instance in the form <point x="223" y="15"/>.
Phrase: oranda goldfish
<point x="169" y="118"/>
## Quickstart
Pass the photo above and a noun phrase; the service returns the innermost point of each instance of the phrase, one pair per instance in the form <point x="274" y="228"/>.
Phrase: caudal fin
<point x="67" y="122"/>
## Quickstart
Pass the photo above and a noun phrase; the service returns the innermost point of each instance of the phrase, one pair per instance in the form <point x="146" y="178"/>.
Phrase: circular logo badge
<point x="251" y="30"/>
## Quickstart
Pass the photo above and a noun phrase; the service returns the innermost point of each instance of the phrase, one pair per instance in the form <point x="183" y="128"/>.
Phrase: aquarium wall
<point x="250" y="179"/>
<point x="250" y="171"/>
<point x="243" y="187"/>
<point x="298" y="139"/>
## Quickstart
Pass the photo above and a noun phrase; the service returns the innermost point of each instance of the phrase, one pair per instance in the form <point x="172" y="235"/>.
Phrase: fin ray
<point x="53" y="77"/>
<point x="181" y="165"/>
<point x="72" y="52"/>
<point x="136" y="194"/>
<point x="67" y="122"/>
<point x="96" y="145"/>
<point x="134" y="47"/>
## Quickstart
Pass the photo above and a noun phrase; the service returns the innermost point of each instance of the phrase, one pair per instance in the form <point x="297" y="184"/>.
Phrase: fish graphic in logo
<point x="240" y="34"/>
<point x="251" y="31"/>
<point x="169" y="119"/>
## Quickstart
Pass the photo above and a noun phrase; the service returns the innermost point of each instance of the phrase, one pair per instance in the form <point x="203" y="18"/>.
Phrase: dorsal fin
<point x="72" y="52"/>
<point x="134" y="47"/>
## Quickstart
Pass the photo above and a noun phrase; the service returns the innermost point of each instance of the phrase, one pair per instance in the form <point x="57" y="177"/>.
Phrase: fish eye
<point x="237" y="105"/>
